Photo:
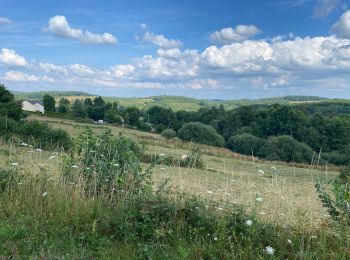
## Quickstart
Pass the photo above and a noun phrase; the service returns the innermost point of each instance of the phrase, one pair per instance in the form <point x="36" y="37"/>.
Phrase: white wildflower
<point x="262" y="213"/>
<point x="313" y="237"/>
<point x="116" y="164"/>
<point x="163" y="169"/>
<point x="209" y="192"/>
<point x="15" y="164"/>
<point x="24" y="144"/>
<point x="41" y="165"/>
<point x="184" y="157"/>
<point x="259" y="199"/>
<point x="75" y="167"/>
<point x="45" y="194"/>
<point x="161" y="155"/>
<point x="261" y="171"/>
<point x="289" y="241"/>
<point x="228" y="194"/>
<point x="220" y="208"/>
<point x="273" y="168"/>
<point x="52" y="157"/>
<point x="269" y="250"/>
<point x="30" y="151"/>
<point x="20" y="183"/>
<point x="249" y="223"/>
<point x="215" y="238"/>
<point x="39" y="150"/>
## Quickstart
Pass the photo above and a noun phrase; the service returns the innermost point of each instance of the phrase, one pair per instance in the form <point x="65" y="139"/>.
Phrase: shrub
<point x="286" y="148"/>
<point x="168" y="133"/>
<point x="108" y="164"/>
<point x="200" y="133"/>
<point x="336" y="158"/>
<point x="246" y="144"/>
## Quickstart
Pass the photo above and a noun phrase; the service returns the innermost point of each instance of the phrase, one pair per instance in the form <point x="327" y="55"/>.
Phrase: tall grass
<point x="65" y="212"/>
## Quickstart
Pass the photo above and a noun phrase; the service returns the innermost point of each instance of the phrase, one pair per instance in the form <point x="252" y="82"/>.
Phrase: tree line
<point x="275" y="132"/>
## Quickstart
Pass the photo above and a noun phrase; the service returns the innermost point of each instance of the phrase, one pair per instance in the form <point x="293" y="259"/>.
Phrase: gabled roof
<point x="33" y="102"/>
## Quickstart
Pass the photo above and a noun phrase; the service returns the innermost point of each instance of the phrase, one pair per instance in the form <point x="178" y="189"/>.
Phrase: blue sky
<point x="207" y="49"/>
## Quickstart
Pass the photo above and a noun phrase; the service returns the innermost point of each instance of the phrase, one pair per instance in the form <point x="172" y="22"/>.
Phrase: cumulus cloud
<point x="11" y="58"/>
<point x="342" y="27"/>
<point x="5" y="20"/>
<point x="60" y="27"/>
<point x="325" y="7"/>
<point x="238" y="34"/>
<point x="161" y="41"/>
<point x="20" y="77"/>
<point x="170" y="53"/>
<point x="122" y="70"/>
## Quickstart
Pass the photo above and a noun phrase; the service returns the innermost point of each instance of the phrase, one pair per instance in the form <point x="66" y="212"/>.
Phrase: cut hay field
<point x="288" y="194"/>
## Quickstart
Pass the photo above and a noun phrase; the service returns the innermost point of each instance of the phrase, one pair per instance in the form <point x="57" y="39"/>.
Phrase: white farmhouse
<point x="33" y="106"/>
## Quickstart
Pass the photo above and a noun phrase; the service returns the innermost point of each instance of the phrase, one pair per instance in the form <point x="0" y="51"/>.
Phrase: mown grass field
<point x="288" y="193"/>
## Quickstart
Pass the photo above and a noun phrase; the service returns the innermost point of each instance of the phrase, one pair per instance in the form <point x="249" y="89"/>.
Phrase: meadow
<point x="232" y="206"/>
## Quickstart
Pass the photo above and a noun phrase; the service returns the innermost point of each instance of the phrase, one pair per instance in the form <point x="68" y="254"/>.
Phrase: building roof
<point x="33" y="102"/>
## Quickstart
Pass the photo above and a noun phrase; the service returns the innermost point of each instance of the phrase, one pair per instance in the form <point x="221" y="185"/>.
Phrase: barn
<point x="33" y="106"/>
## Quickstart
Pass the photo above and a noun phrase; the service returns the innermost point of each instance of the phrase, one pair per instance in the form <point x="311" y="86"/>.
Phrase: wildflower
<point x="184" y="157"/>
<point x="52" y="157"/>
<point x="116" y="164"/>
<point x="261" y="171"/>
<point x="39" y="150"/>
<point x="44" y="194"/>
<point x="259" y="199"/>
<point x="30" y="151"/>
<point x="313" y="237"/>
<point x="228" y="194"/>
<point x="41" y="165"/>
<point x="220" y="208"/>
<point x="209" y="192"/>
<point x="289" y="241"/>
<point x="269" y="250"/>
<point x="215" y="238"/>
<point x="161" y="155"/>
<point x="249" y="223"/>
<point x="14" y="164"/>
<point x="262" y="213"/>
<point x="24" y="144"/>
<point x="163" y="169"/>
<point x="75" y="167"/>
<point x="20" y="183"/>
<point x="273" y="168"/>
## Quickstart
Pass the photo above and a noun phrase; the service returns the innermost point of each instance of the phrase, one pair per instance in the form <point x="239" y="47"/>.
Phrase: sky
<point x="223" y="49"/>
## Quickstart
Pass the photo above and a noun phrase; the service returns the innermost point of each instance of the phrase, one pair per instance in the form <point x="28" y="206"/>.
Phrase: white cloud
<point x="240" y="33"/>
<point x="20" y="77"/>
<point x="161" y="41"/>
<point x="11" y="58"/>
<point x="169" y="53"/>
<point x="59" y="26"/>
<point x="49" y="67"/>
<point x="342" y="27"/>
<point x="324" y="8"/>
<point x="246" y="57"/>
<point x="5" y="20"/>
<point x="80" y="69"/>
<point x="123" y="70"/>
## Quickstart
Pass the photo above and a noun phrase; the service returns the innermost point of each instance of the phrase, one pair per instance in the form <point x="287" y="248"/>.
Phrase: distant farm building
<point x="33" y="106"/>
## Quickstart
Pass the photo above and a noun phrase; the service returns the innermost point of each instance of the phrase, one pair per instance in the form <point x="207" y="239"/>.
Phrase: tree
<point x="49" y="103"/>
<point x="111" y="116"/>
<point x="88" y="102"/>
<point x="132" y="116"/>
<point x="8" y="106"/>
<point x="78" y="109"/>
<point x="200" y="133"/>
<point x="99" y="102"/>
<point x="246" y="144"/>
<point x="63" y="105"/>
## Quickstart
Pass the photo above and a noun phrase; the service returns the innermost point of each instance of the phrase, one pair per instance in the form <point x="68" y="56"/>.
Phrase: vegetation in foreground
<point x="101" y="204"/>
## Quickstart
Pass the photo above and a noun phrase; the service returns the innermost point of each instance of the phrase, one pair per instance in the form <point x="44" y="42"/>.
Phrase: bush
<point x="245" y="144"/>
<point x="286" y="148"/>
<point x="168" y="133"/>
<point x="200" y="133"/>
<point x="39" y="134"/>
<point x="336" y="158"/>
<point x="108" y="164"/>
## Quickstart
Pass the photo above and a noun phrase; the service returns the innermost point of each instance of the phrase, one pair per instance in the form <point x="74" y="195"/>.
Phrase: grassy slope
<point x="287" y="192"/>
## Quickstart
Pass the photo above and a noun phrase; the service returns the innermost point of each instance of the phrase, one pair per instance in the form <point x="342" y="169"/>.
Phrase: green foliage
<point x="246" y="144"/>
<point x="286" y="148"/>
<point x="63" y="105"/>
<point x="78" y="109"/>
<point x="8" y="106"/>
<point x="338" y="203"/>
<point x="200" y="133"/>
<point x="168" y="133"/>
<point x="39" y="134"/>
<point x="49" y="103"/>
<point x="108" y="164"/>
<point x="111" y="116"/>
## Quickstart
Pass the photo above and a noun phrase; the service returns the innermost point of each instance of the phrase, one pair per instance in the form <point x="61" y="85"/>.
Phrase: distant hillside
<point x="55" y="94"/>
<point x="186" y="103"/>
